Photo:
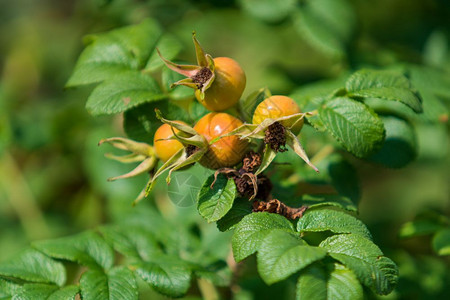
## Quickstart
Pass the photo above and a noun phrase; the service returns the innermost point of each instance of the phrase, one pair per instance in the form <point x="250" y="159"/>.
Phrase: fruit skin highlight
<point x="165" y="149"/>
<point x="225" y="152"/>
<point x="227" y="87"/>
<point x="276" y="107"/>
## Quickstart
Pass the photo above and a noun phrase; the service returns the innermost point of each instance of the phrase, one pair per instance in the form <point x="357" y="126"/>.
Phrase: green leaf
<point x="131" y="241"/>
<point x="241" y="207"/>
<point x="115" y="52"/>
<point x="418" y="228"/>
<point x="214" y="203"/>
<point x="433" y="86"/>
<point x="87" y="248"/>
<point x="118" y="283"/>
<point x="332" y="220"/>
<point x="282" y="254"/>
<point x="123" y="92"/>
<point x="353" y="124"/>
<point x="140" y="123"/>
<point x="35" y="291"/>
<point x="388" y="85"/>
<point x="8" y="288"/>
<point x="365" y="259"/>
<point x="167" y="275"/>
<point x="169" y="47"/>
<point x="400" y="145"/>
<point x="314" y="201"/>
<point x="326" y="24"/>
<point x="66" y="293"/>
<point x="320" y="283"/>
<point x="252" y="230"/>
<point x="46" y="291"/>
<point x="32" y="265"/>
<point x="441" y="242"/>
<point x="269" y="10"/>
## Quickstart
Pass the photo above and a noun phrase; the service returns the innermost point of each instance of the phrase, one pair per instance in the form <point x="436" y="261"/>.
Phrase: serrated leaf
<point x="87" y="248"/>
<point x="66" y="293"/>
<point x="33" y="291"/>
<point x="214" y="203"/>
<point x="46" y="291"/>
<point x="365" y="259"/>
<point x="319" y="283"/>
<point x="388" y="85"/>
<point x="8" y="288"/>
<point x="314" y="201"/>
<point x="252" y="230"/>
<point x="32" y="265"/>
<point x="282" y="254"/>
<point x="241" y="207"/>
<point x="326" y="24"/>
<point x="353" y="124"/>
<point x="115" y="52"/>
<point x="119" y="283"/>
<point x="123" y="92"/>
<point x="131" y="241"/>
<point x="332" y="220"/>
<point x="167" y="275"/>
<point x="441" y="242"/>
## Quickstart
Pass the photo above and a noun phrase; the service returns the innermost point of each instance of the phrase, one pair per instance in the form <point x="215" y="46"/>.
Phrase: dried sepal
<point x="140" y="152"/>
<point x="200" y="76"/>
<point x="268" y="157"/>
<point x="294" y="143"/>
<point x="258" y="131"/>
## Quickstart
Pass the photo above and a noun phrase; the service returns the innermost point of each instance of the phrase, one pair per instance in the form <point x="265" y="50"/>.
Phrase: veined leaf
<point x="215" y="202"/>
<point x="131" y="241"/>
<point x="46" y="291"/>
<point x="329" y="200"/>
<point x="353" y="124"/>
<point x="252" y="230"/>
<point x="123" y="92"/>
<point x="118" y="283"/>
<point x="115" y="52"/>
<point x="320" y="283"/>
<point x="169" y="47"/>
<point x="32" y="265"/>
<point x="332" y="220"/>
<point x="282" y="254"/>
<point x="365" y="259"/>
<point x="241" y="207"/>
<point x="167" y="275"/>
<point x="87" y="248"/>
<point x="388" y="85"/>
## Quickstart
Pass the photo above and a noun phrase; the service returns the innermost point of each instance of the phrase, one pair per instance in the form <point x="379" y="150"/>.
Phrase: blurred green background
<point x="53" y="175"/>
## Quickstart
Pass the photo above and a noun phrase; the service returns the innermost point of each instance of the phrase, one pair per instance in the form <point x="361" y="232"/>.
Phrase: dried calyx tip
<point x="275" y="137"/>
<point x="202" y="77"/>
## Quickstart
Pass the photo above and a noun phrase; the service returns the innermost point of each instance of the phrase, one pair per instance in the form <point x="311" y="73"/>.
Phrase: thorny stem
<point x="22" y="200"/>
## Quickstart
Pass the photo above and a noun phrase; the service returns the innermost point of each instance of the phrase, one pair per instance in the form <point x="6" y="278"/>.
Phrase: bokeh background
<point x="53" y="174"/>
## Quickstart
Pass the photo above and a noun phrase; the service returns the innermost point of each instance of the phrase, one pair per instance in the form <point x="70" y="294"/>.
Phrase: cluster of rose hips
<point x="218" y="140"/>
